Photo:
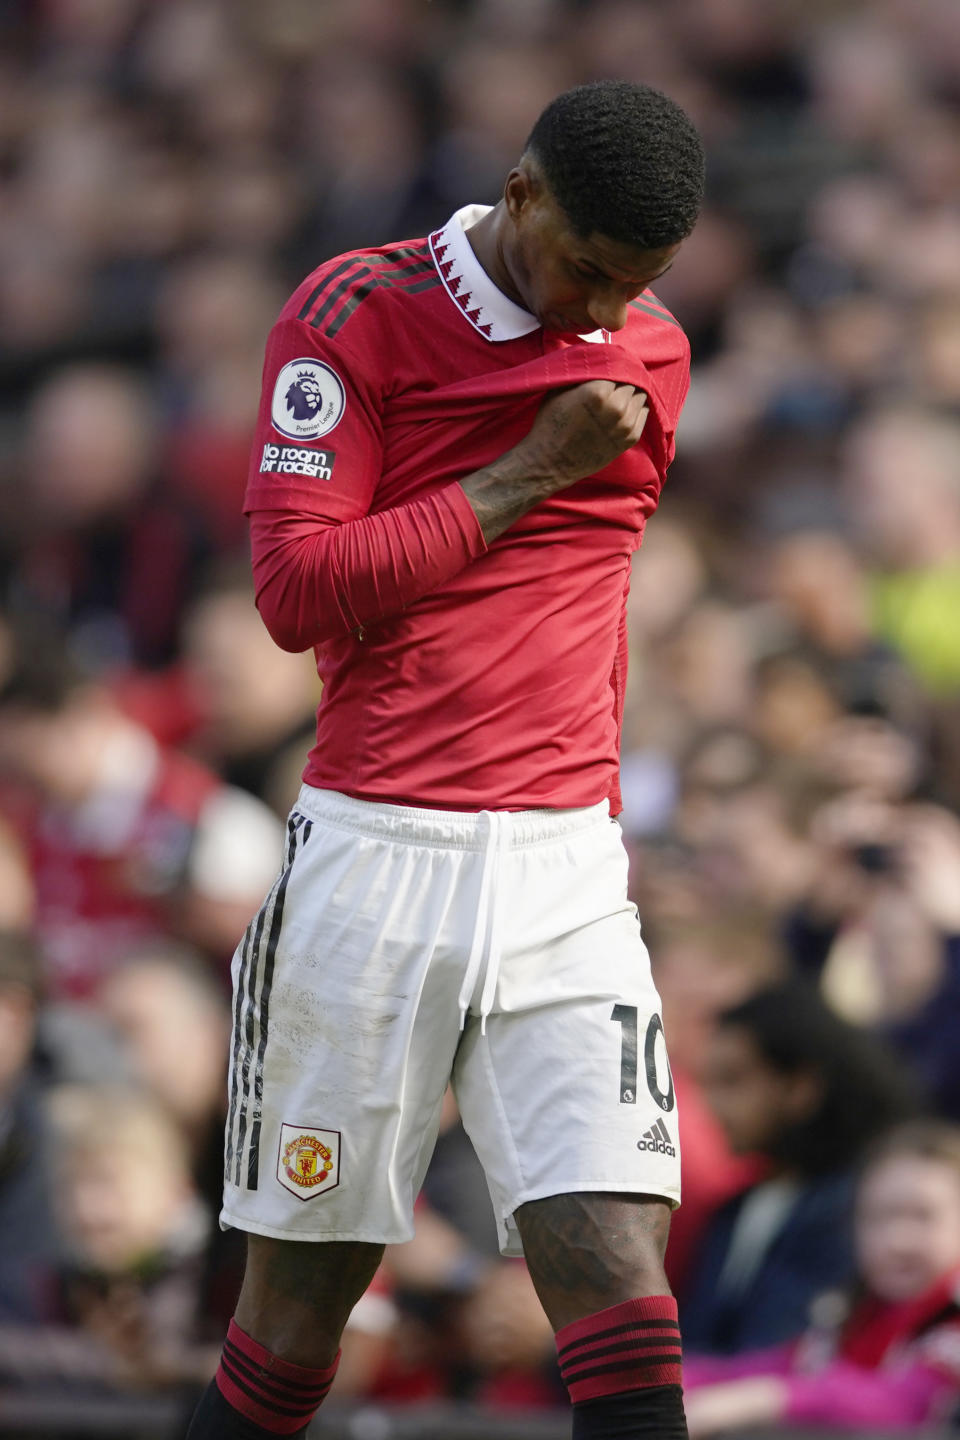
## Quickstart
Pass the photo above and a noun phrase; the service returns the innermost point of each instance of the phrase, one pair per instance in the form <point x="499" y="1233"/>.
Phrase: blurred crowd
<point x="791" y="773"/>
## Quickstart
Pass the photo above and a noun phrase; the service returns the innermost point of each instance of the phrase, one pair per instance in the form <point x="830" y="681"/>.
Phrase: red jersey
<point x="455" y="674"/>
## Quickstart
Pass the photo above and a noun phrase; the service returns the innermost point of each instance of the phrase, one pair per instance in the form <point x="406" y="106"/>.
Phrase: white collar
<point x="467" y="283"/>
<point x="471" y="289"/>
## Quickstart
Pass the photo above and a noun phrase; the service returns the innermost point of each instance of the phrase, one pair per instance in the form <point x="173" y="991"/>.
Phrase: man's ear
<point x="522" y="185"/>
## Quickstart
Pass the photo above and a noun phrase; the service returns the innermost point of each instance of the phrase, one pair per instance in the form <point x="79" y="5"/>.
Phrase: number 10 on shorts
<point x="626" y="1017"/>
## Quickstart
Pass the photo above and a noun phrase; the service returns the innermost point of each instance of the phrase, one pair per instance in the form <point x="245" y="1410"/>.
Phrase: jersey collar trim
<point x="469" y="286"/>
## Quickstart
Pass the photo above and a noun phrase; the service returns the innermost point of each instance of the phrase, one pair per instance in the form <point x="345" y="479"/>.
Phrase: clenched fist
<point x="579" y="431"/>
<point x="576" y="433"/>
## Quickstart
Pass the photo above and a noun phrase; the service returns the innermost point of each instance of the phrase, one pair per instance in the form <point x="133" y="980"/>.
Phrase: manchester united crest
<point x="309" y="1160"/>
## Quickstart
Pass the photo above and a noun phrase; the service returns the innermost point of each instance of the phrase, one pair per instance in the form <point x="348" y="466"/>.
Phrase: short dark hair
<point x="864" y="1088"/>
<point x="623" y="161"/>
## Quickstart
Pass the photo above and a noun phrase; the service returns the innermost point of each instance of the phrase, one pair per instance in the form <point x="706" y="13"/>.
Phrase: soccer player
<point x="460" y="440"/>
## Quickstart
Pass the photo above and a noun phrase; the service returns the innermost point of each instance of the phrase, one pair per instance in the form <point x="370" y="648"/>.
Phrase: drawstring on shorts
<point x="487" y="928"/>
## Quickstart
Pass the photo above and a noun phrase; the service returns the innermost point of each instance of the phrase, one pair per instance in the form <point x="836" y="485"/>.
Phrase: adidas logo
<point x="657" y="1138"/>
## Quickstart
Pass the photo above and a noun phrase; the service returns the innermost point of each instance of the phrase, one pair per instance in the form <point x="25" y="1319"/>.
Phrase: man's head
<point x="610" y="183"/>
<point x="168" y="1011"/>
<point x="49" y="708"/>
<point x="90" y="442"/>
<point x="126" y="1184"/>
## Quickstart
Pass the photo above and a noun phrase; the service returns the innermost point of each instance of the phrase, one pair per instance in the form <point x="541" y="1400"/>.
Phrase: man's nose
<point x="608" y="312"/>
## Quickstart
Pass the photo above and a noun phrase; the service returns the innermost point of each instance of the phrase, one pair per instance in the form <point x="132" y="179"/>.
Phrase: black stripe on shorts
<point x="253" y="1157"/>
<point x="247" y="1005"/>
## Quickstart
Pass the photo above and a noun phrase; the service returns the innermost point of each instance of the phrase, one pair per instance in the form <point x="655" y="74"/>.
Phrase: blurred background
<point x="168" y="172"/>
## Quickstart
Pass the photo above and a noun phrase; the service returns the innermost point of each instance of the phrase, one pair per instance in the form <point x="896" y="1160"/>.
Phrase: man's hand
<point x="576" y="433"/>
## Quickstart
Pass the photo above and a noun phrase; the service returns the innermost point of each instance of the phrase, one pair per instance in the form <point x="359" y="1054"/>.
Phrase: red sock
<point x="628" y="1347"/>
<point x="280" y="1397"/>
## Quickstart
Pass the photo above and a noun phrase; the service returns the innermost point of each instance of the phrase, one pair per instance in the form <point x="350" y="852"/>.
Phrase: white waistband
<point x="447" y="829"/>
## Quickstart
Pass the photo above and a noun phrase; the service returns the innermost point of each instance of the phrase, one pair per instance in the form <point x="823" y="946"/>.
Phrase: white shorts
<point x="386" y="928"/>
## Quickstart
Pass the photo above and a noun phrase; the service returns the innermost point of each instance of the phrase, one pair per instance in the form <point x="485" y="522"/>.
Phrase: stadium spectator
<point x="127" y="841"/>
<point x="257" y="704"/>
<point x="886" y="1353"/>
<point x="509" y="1341"/>
<point x="171" y="1016"/>
<point x="880" y="929"/>
<point x="703" y="967"/>
<point x="106" y="548"/>
<point x="791" y="1083"/>
<point x="133" y="1233"/>
<point x="915" y="547"/>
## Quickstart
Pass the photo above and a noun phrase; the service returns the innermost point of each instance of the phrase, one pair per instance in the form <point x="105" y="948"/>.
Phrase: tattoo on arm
<point x="502" y="492"/>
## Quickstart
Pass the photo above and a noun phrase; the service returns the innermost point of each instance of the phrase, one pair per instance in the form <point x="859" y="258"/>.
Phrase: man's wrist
<point x="506" y="489"/>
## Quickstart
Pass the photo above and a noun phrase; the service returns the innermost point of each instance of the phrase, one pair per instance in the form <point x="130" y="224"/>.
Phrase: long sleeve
<point x="317" y="580"/>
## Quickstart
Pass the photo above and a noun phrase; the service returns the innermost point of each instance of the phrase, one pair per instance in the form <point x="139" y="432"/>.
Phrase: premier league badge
<point x="308" y="400"/>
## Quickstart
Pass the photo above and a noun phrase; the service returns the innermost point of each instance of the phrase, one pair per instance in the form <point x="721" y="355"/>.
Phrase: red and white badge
<point x="309" y="1160"/>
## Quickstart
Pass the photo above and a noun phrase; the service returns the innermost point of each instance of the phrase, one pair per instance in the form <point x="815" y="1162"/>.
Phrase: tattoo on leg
<point x="297" y="1295"/>
<point x="589" y="1251"/>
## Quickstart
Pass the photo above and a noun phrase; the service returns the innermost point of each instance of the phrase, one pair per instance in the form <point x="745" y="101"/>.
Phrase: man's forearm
<point x="500" y="493"/>
<point x="319" y="580"/>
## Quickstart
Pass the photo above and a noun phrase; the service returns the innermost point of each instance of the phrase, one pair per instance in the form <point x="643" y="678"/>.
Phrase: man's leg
<point x="281" y="1351"/>
<point x="597" y="1263"/>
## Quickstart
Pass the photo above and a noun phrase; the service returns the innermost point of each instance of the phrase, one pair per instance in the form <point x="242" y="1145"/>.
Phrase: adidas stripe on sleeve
<point x="318" y="444"/>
